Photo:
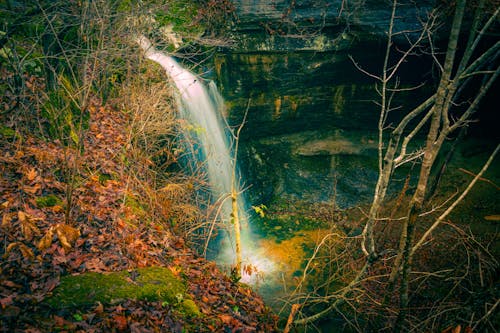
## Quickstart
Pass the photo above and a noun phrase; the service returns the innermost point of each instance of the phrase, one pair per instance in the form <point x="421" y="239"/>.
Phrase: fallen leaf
<point x="7" y="300"/>
<point x="32" y="189"/>
<point x="58" y="321"/>
<point x="67" y="235"/>
<point x="57" y="208"/>
<point x="120" y="322"/>
<point x="46" y="240"/>
<point x="226" y="319"/>
<point x="10" y="284"/>
<point x="31" y="174"/>
<point x="28" y="226"/>
<point x="26" y="252"/>
<point x="4" y="205"/>
<point x="176" y="270"/>
<point x="99" y="308"/>
<point x="6" y="219"/>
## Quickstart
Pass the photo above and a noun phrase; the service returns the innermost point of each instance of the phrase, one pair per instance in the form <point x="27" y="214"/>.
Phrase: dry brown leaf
<point x="46" y="240"/>
<point x="9" y="248"/>
<point x="32" y="189"/>
<point x="99" y="308"/>
<point x="25" y="251"/>
<point x="4" y="205"/>
<point x="31" y="174"/>
<point x="6" y="219"/>
<point x="28" y="226"/>
<point x="226" y="319"/>
<point x="57" y="208"/>
<point x="120" y="322"/>
<point x="22" y="216"/>
<point x="67" y="235"/>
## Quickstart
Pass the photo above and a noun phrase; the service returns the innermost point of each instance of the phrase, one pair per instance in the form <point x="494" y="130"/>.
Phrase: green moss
<point x="104" y="177"/>
<point x="150" y="283"/>
<point x="7" y="132"/>
<point x="180" y="15"/>
<point x="48" y="201"/>
<point x="137" y="208"/>
<point x="190" y="308"/>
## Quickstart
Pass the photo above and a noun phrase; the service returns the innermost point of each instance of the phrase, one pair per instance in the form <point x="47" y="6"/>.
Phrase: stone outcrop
<point x="292" y="69"/>
<point x="318" y="25"/>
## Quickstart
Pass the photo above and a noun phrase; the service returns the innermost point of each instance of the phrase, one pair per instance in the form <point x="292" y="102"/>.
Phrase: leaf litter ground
<point x="40" y="245"/>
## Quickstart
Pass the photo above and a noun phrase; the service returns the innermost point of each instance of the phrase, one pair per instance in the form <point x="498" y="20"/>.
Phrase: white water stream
<point x="201" y="108"/>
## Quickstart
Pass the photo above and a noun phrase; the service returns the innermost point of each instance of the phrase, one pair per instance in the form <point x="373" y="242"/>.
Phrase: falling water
<point x="201" y="108"/>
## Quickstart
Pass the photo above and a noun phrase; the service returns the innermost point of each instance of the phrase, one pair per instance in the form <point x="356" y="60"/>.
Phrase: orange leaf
<point x="6" y="218"/>
<point x="9" y="248"/>
<point x="21" y="216"/>
<point x="4" y="205"/>
<point x="32" y="189"/>
<point x="67" y="235"/>
<point x="57" y="208"/>
<point x="31" y="174"/>
<point x="176" y="270"/>
<point x="28" y="226"/>
<point x="25" y="251"/>
<point x="226" y="319"/>
<point x="120" y="322"/>
<point x="99" y="308"/>
<point x="46" y="240"/>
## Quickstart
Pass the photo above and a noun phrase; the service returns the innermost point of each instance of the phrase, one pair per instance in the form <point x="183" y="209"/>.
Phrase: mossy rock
<point x="150" y="284"/>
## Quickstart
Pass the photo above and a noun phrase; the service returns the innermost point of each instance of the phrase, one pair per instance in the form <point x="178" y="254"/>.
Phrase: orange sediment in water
<point x="291" y="254"/>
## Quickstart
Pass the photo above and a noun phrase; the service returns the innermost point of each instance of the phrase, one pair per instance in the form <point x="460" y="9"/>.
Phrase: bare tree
<point x="440" y="116"/>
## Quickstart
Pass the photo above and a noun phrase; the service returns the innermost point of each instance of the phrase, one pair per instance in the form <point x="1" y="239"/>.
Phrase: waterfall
<point x="201" y="106"/>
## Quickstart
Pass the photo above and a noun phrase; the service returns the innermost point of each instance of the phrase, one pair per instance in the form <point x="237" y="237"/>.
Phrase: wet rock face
<point x="313" y="166"/>
<point x="312" y="115"/>
<point x="319" y="25"/>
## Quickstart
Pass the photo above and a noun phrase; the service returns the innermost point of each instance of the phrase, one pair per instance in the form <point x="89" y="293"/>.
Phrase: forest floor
<point x="63" y="215"/>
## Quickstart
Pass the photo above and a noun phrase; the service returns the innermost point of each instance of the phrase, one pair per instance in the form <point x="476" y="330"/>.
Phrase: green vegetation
<point x="151" y="284"/>
<point x="284" y="218"/>
<point x="179" y="15"/>
<point x="7" y="132"/>
<point x="50" y="200"/>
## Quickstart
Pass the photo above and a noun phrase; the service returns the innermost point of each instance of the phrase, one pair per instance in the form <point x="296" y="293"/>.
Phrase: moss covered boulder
<point x="149" y="284"/>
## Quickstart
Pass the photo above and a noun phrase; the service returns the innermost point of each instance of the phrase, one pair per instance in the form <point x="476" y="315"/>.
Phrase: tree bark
<point x="437" y="133"/>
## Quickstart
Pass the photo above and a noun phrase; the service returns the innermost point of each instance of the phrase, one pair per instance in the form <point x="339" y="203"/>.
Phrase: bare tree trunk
<point x="235" y="217"/>
<point x="434" y="142"/>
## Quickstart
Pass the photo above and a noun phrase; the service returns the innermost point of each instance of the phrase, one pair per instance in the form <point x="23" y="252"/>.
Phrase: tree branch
<point x="456" y="202"/>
